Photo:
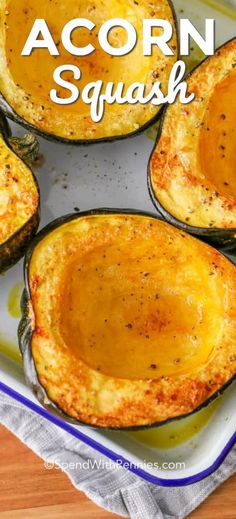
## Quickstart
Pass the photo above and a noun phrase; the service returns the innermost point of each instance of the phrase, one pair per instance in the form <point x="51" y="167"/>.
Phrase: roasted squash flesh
<point x="26" y="82"/>
<point x="107" y="320"/>
<point x="192" y="170"/>
<point x="19" y="196"/>
<point x="217" y="146"/>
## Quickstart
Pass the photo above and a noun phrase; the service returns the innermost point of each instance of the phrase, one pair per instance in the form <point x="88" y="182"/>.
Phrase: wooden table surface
<point x="27" y="489"/>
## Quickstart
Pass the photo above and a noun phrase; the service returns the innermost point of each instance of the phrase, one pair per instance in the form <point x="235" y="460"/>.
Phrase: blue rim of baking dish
<point x="111" y="454"/>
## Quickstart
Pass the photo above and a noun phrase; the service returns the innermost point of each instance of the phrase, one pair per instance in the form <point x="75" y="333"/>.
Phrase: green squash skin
<point x="25" y="332"/>
<point x="11" y="114"/>
<point x="223" y="239"/>
<point x="14" y="248"/>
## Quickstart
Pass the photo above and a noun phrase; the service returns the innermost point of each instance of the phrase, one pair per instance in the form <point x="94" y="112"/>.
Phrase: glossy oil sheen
<point x="178" y="432"/>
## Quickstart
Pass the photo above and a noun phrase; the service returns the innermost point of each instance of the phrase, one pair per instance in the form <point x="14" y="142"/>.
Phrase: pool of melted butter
<point x="10" y="350"/>
<point x="14" y="298"/>
<point x="177" y="432"/>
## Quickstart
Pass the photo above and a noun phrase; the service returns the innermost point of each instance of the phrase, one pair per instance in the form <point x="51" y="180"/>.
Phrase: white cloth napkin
<point x="116" y="490"/>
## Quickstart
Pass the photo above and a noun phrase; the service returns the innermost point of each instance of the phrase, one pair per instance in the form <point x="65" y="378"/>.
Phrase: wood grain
<point x="27" y="489"/>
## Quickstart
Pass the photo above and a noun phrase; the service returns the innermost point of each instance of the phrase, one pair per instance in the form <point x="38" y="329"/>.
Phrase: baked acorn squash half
<point x="26" y="82"/>
<point x="19" y="195"/>
<point x="133" y="326"/>
<point x="192" y="168"/>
